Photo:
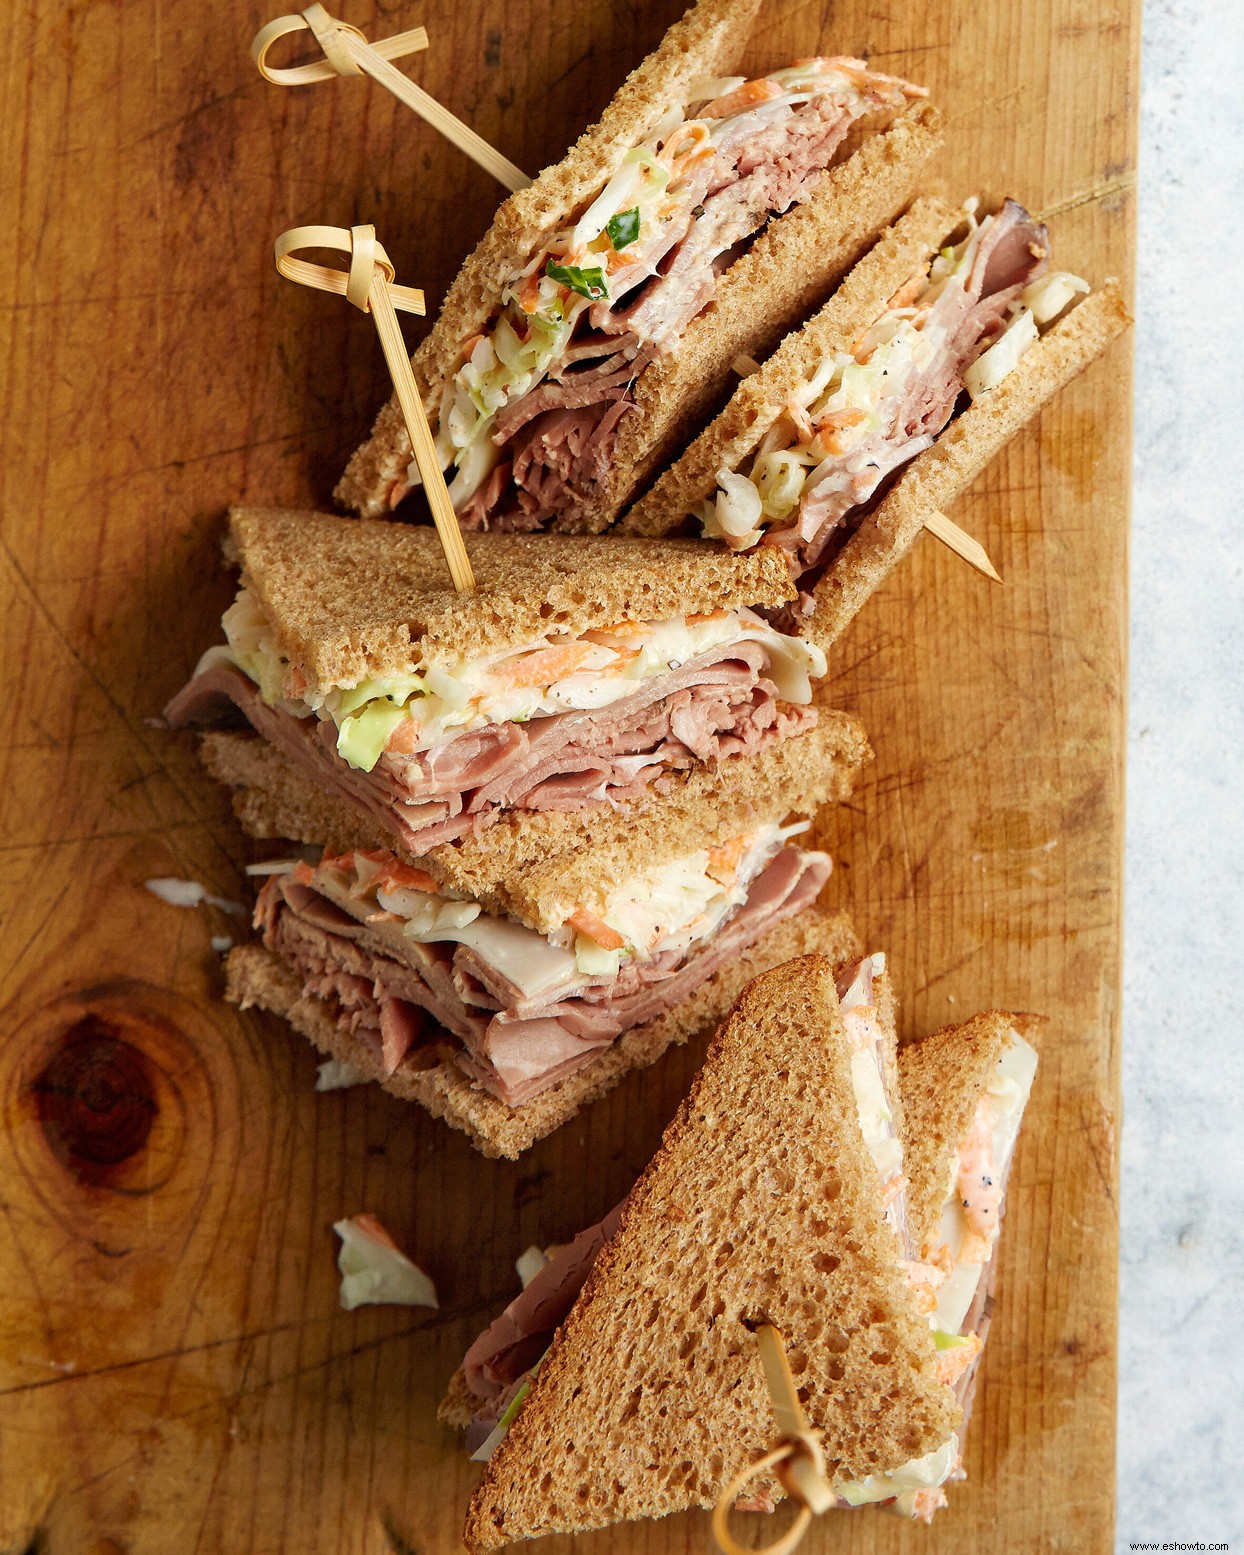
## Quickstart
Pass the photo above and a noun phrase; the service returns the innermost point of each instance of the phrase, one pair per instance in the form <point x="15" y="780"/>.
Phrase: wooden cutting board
<point x="175" y="1373"/>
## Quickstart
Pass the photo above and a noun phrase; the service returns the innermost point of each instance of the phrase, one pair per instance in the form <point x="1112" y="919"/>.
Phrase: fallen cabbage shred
<point x="374" y="1271"/>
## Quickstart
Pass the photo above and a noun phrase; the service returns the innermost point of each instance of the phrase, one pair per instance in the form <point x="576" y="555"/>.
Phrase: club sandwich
<point x="624" y="1381"/>
<point x="592" y="329"/>
<point x="944" y="340"/>
<point x="505" y="982"/>
<point x="581" y="672"/>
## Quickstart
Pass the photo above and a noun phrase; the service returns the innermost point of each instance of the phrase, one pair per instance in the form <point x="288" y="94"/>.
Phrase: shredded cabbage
<point x="840" y="433"/>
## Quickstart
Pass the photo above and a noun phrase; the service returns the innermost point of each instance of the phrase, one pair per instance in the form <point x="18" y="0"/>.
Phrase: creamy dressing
<point x="673" y="904"/>
<point x="406" y="714"/>
<point x="859" y="1016"/>
<point x="1007" y="1095"/>
<point x="916" y="1475"/>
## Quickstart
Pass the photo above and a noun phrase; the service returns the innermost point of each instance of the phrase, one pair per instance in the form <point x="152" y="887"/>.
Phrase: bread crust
<point x="349" y="599"/>
<point x="460" y="1404"/>
<point x="761" y="1204"/>
<point x="257" y="978"/>
<point x="528" y="866"/>
<point x="789" y="269"/>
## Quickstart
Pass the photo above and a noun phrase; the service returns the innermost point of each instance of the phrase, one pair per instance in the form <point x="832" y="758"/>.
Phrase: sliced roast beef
<point x="1013" y="252"/>
<point x="376" y="981"/>
<point x="718" y="704"/>
<point x="558" y="464"/>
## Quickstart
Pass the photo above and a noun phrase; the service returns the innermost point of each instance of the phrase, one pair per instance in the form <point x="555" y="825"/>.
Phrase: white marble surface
<point x="1182" y="1309"/>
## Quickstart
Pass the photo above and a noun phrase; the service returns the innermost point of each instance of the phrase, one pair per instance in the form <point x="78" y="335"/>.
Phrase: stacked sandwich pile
<point x="532" y="835"/>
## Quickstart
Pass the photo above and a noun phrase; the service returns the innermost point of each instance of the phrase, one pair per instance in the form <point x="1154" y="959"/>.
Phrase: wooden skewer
<point x="798" y="1459"/>
<point x="348" y="53"/>
<point x="961" y="543"/>
<point x="369" y="286"/>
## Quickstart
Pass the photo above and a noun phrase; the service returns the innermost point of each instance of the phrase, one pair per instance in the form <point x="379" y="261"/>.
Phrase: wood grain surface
<point x="175" y="1373"/>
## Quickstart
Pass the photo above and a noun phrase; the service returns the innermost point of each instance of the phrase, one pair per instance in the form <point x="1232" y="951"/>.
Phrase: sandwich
<point x="964" y="1091"/>
<point x="592" y="329"/>
<point x="945" y="339"/>
<point x="625" y="1383"/>
<point x="580" y="673"/>
<point x="505" y="981"/>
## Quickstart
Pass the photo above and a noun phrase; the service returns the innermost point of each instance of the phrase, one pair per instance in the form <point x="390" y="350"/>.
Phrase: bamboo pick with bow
<point x="798" y="1459"/>
<point x="348" y="53"/>
<point x="369" y="285"/>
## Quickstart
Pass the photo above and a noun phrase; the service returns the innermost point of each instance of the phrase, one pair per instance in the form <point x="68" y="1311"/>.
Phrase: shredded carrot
<point x="370" y="1226"/>
<point x="596" y="929"/>
<point x="404" y="738"/>
<point x="952" y="1363"/>
<point x="926" y="1502"/>
<point x="830" y="427"/>
<point x="619" y="629"/>
<point x="302" y="873"/>
<point x="719" y="614"/>
<point x="723" y="861"/>
<point x="891" y="1191"/>
<point x="833" y="419"/>
<point x="678" y="161"/>
<point x="908" y="292"/>
<point x="405" y="877"/>
<point x="529" y="297"/>
<point x="544" y="666"/>
<point x="469" y="345"/>
<point x="746" y="96"/>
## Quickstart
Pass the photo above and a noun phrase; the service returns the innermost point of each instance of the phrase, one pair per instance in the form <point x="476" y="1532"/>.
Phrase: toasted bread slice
<point x="526" y="864"/>
<point x="349" y="601"/>
<point x="258" y="978"/>
<point x="790" y="267"/>
<point x="934" y="479"/>
<point x="762" y="1204"/>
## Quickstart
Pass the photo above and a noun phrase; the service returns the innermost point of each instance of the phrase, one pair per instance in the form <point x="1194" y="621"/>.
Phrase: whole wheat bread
<point x="941" y="1080"/>
<point x="761" y="1204"/>
<point x="460" y="1404"/>
<point x="528" y="864"/>
<point x="348" y="600"/>
<point x="255" y="977"/>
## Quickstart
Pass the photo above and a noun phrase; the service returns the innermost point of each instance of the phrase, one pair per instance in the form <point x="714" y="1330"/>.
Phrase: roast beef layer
<point x="718" y="704"/>
<point x="512" y="1046"/>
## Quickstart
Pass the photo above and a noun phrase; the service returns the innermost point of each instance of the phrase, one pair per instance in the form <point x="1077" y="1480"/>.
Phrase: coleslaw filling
<point x="844" y="432"/>
<point x="948" y="1281"/>
<point x="618" y="243"/>
<point x="406" y="714"/>
<point x="674" y="906"/>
